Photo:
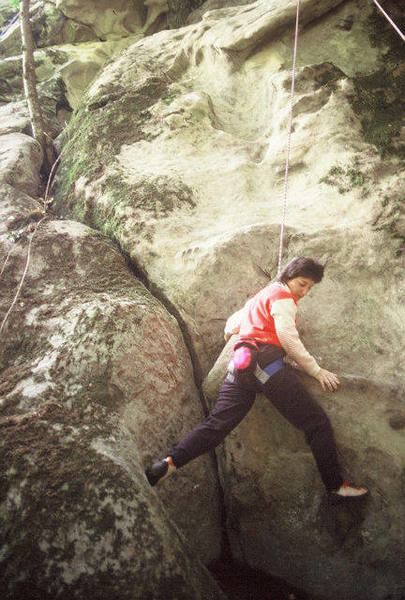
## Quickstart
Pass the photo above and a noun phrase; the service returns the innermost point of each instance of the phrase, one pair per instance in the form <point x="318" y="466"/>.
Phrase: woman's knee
<point x="318" y="426"/>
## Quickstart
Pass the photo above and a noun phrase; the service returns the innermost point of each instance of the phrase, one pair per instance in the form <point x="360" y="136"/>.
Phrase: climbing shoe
<point x="348" y="491"/>
<point x="159" y="471"/>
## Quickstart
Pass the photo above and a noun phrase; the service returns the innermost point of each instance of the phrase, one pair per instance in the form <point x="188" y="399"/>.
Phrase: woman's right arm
<point x="232" y="325"/>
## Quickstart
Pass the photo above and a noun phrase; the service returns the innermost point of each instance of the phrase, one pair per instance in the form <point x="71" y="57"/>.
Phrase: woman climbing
<point x="267" y="332"/>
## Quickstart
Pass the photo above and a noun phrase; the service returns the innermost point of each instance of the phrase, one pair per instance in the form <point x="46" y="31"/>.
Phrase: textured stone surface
<point x="95" y="378"/>
<point x="197" y="14"/>
<point x="47" y="28"/>
<point x="189" y="177"/>
<point x="14" y="117"/>
<point x="54" y="25"/>
<point x="75" y="66"/>
<point x="117" y="19"/>
<point x="278" y="516"/>
<point x="177" y="153"/>
<point x="21" y="159"/>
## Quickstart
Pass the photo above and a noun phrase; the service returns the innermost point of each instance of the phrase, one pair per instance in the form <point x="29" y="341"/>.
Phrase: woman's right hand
<point x="328" y="380"/>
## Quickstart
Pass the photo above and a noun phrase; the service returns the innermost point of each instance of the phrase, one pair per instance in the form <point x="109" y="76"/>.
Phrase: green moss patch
<point x="379" y="98"/>
<point x="179" y="11"/>
<point x="52" y="482"/>
<point x="93" y="140"/>
<point x="390" y="217"/>
<point x="345" y="178"/>
<point x="380" y="104"/>
<point x="97" y="131"/>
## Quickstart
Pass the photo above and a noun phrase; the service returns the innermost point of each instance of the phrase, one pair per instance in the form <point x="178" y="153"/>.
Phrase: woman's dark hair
<point x="302" y="267"/>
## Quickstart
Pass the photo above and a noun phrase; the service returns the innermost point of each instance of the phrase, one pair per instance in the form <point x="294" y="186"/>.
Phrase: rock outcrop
<point x="21" y="159"/>
<point x="194" y="157"/>
<point x="95" y="378"/>
<point x="278" y="516"/>
<point x="176" y="153"/>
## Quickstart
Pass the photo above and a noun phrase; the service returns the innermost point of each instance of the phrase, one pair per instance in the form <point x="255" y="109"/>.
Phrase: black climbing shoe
<point x="157" y="471"/>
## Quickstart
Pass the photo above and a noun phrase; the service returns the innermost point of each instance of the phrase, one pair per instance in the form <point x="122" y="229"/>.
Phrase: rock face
<point x="189" y="132"/>
<point x="21" y="159"/>
<point x="192" y="170"/>
<point x="176" y="152"/>
<point x="278" y="516"/>
<point x="93" y="371"/>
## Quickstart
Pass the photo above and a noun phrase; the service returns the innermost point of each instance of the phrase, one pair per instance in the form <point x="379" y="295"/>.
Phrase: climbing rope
<point x="386" y="15"/>
<point x="6" y="260"/>
<point x="287" y="160"/>
<point x="45" y="205"/>
<point x="27" y="263"/>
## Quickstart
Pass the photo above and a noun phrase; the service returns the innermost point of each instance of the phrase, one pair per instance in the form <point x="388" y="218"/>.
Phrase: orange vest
<point x="257" y="322"/>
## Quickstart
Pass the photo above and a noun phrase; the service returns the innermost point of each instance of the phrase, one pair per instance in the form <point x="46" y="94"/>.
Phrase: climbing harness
<point x="386" y="15"/>
<point x="287" y="160"/>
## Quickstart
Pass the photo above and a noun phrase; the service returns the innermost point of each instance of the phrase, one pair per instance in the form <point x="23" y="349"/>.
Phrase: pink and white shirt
<point x="271" y="317"/>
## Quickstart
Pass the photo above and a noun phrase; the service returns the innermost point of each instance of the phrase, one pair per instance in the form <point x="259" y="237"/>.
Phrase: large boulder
<point x="177" y="152"/>
<point x="21" y="159"/>
<point x="14" y="117"/>
<point x="189" y="129"/>
<point x="50" y="27"/>
<point x="46" y="23"/>
<point x="278" y="517"/>
<point x="95" y="382"/>
<point x="62" y="72"/>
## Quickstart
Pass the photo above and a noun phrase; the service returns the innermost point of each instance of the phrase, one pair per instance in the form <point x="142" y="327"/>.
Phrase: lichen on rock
<point x="87" y="357"/>
<point x="176" y="153"/>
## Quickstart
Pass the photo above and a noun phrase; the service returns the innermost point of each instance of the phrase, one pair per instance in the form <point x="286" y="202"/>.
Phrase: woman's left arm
<point x="284" y="313"/>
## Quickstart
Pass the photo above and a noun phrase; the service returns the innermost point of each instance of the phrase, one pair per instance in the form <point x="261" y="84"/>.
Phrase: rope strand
<point x="6" y="260"/>
<point x="27" y="263"/>
<point x="386" y="15"/>
<point x="287" y="161"/>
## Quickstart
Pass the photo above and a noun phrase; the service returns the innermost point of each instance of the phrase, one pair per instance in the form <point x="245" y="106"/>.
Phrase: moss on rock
<point x="179" y="11"/>
<point x="379" y="98"/>
<point x="93" y="141"/>
<point x="101" y="127"/>
<point x="345" y="178"/>
<point x="71" y="515"/>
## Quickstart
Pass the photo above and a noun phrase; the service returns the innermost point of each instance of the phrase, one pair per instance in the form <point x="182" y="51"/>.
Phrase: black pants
<point x="287" y="393"/>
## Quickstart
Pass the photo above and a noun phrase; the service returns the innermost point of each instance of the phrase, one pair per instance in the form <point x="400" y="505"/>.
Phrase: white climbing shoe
<point x="348" y="491"/>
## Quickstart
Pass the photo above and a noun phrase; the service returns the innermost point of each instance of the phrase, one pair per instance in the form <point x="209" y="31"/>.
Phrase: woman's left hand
<point x="328" y="380"/>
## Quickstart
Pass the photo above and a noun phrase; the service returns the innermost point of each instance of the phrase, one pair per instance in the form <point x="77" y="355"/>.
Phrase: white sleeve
<point x="284" y="313"/>
<point x="232" y="325"/>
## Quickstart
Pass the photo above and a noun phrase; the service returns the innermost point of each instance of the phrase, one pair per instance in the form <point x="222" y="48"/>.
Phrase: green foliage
<point x="344" y="178"/>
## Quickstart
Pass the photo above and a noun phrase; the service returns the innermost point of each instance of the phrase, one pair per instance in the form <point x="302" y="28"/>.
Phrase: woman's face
<point x="300" y="286"/>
